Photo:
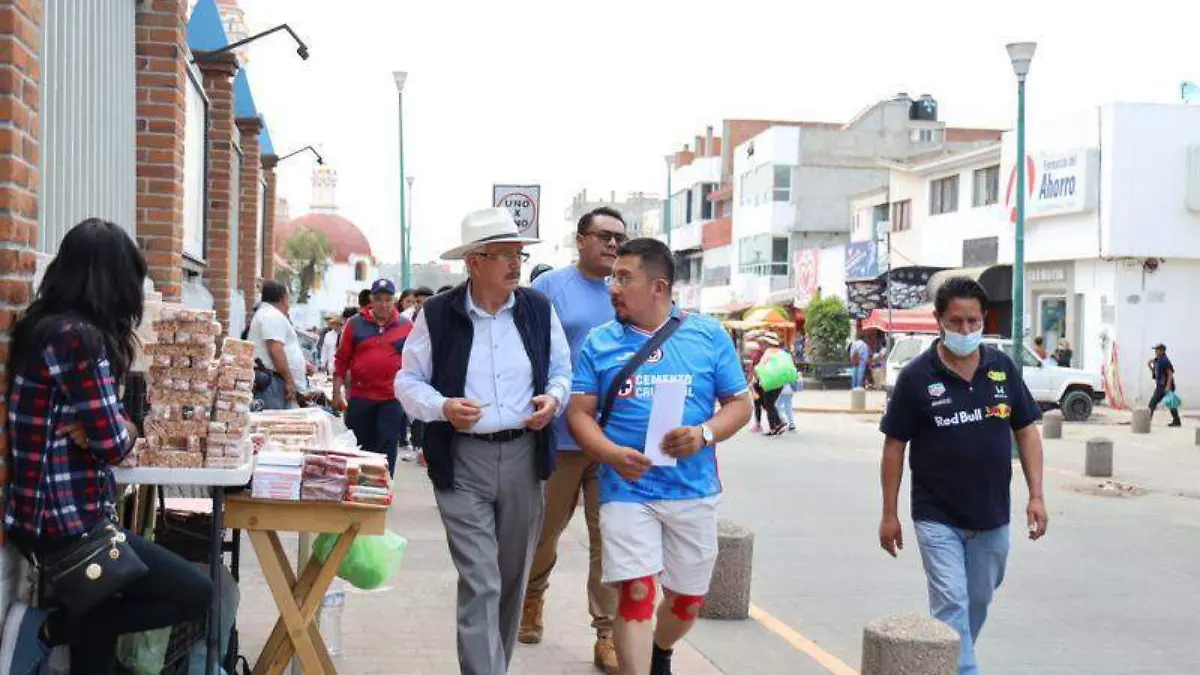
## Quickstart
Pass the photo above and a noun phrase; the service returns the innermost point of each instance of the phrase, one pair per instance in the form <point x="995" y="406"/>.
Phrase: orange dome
<point x="344" y="236"/>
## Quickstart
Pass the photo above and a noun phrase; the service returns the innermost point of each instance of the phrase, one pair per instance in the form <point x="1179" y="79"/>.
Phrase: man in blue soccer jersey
<point x="658" y="523"/>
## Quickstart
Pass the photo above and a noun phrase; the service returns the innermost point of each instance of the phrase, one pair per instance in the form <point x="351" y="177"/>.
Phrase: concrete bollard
<point x="909" y="644"/>
<point x="1098" y="462"/>
<point x="858" y="399"/>
<point x="1052" y="424"/>
<point x="1197" y="435"/>
<point x="1141" y="421"/>
<point x="729" y="591"/>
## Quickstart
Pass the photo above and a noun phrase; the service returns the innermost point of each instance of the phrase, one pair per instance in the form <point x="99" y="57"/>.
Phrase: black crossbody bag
<point x="660" y="336"/>
<point x="91" y="569"/>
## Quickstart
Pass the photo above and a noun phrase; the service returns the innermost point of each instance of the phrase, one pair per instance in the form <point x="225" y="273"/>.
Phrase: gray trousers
<point x="493" y="518"/>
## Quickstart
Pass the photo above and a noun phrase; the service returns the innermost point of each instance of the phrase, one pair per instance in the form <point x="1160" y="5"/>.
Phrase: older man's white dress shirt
<point x="499" y="373"/>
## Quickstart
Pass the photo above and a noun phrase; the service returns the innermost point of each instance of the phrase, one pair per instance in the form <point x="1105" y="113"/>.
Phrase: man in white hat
<point x="488" y="367"/>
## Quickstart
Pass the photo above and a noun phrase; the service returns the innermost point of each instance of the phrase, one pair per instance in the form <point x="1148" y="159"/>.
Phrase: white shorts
<point x="677" y="538"/>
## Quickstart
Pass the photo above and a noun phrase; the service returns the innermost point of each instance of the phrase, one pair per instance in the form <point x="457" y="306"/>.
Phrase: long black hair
<point x="96" y="279"/>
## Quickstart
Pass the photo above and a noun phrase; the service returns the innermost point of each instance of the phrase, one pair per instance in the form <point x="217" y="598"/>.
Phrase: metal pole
<point x="667" y="210"/>
<point x="1018" y="300"/>
<point x="408" y="239"/>
<point x="406" y="266"/>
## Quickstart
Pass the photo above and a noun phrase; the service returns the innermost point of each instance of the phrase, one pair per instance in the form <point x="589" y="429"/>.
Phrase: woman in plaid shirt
<point x="66" y="427"/>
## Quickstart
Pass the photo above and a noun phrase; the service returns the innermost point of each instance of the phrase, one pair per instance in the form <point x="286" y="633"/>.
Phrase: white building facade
<point x="1112" y="234"/>
<point x="793" y="189"/>
<point x="702" y="269"/>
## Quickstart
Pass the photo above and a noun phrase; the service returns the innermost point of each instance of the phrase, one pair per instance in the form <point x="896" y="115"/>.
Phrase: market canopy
<point x="915" y="320"/>
<point x="763" y="317"/>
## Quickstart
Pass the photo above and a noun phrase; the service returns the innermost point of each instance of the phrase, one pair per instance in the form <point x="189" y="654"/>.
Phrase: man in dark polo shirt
<point x="959" y="405"/>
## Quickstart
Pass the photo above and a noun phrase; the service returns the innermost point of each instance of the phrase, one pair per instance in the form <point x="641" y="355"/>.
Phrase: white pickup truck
<point x="1071" y="390"/>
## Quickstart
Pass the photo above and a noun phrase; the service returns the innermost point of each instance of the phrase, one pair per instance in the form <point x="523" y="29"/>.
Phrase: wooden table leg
<point x="298" y="601"/>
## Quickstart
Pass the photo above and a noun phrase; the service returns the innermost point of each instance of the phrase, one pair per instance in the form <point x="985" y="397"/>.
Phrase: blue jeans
<point x="784" y="405"/>
<point x="962" y="568"/>
<point x="377" y="426"/>
<point x="858" y="376"/>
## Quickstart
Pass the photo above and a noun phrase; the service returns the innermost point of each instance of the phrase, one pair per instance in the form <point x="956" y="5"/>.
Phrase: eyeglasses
<point x="623" y="280"/>
<point x="606" y="237"/>
<point x="519" y="256"/>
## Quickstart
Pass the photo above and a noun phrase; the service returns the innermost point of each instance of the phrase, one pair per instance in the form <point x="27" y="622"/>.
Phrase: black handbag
<point x="262" y="376"/>
<point x="92" y="569"/>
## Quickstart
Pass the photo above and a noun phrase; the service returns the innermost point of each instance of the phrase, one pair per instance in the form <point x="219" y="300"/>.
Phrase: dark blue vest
<point x="450" y="335"/>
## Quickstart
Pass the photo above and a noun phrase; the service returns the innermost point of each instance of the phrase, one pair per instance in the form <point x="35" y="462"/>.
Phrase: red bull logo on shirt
<point x="1001" y="411"/>
<point x="959" y="418"/>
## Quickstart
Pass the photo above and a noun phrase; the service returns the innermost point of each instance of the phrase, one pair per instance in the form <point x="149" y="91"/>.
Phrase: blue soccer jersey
<point x="700" y="353"/>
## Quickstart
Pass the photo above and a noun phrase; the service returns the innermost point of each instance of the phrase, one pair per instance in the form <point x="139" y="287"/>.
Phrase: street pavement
<point x="1111" y="590"/>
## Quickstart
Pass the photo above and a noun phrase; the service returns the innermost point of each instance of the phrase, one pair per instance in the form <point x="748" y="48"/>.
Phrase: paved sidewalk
<point x="408" y="628"/>
<point x="836" y="401"/>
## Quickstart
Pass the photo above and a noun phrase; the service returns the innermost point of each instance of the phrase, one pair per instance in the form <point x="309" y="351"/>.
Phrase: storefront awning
<point x="732" y="307"/>
<point x="995" y="279"/>
<point x="915" y="320"/>
<point x="763" y="317"/>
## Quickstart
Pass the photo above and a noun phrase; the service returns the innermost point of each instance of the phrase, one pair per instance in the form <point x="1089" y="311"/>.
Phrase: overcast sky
<point x="592" y="95"/>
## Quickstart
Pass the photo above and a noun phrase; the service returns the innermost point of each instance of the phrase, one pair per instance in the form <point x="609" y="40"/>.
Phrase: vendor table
<point x="298" y="598"/>
<point x="216" y="480"/>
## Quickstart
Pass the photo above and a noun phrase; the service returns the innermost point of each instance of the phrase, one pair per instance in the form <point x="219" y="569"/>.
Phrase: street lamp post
<point x="1021" y="53"/>
<point x="405" y="266"/>
<point x="670" y="159"/>
<point x="408" y="239"/>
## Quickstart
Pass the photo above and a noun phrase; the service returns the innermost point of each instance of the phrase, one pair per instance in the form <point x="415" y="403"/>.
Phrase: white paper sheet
<point x="666" y="413"/>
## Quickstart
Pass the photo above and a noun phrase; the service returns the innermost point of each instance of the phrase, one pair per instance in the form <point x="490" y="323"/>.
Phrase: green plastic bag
<point x="372" y="561"/>
<point x="775" y="370"/>
<point x="1172" y="401"/>
<point x="144" y="653"/>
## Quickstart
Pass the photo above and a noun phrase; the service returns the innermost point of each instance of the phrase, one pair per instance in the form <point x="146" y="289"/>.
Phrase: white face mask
<point x="962" y="345"/>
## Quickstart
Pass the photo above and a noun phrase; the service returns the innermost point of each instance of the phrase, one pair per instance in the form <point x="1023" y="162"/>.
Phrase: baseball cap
<point x="1160" y="346"/>
<point x="383" y="286"/>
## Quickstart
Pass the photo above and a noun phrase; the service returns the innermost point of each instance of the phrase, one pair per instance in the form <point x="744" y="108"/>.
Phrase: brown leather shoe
<point x="605" y="656"/>
<point x="530" y="632"/>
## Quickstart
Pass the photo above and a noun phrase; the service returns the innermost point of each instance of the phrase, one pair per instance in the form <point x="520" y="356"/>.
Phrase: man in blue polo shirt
<point x="958" y="405"/>
<point x="580" y="297"/>
<point x="657" y="522"/>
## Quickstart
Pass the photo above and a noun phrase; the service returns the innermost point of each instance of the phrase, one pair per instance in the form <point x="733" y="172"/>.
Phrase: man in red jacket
<point x="369" y="353"/>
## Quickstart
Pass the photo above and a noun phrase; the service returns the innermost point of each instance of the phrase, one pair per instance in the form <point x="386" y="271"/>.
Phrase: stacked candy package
<point x="278" y="474"/>
<point x="325" y="478"/>
<point x="369" y="480"/>
<point x="181" y="374"/>
<point x="234" y="384"/>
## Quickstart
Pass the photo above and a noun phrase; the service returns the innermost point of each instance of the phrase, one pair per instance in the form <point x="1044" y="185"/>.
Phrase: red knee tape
<point x="687" y="607"/>
<point x="637" y="599"/>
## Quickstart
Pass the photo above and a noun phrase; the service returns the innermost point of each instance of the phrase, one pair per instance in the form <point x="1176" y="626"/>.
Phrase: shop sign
<point x="1055" y="184"/>
<point x="1045" y="274"/>
<point x="805" y="266"/>
<point x="862" y="261"/>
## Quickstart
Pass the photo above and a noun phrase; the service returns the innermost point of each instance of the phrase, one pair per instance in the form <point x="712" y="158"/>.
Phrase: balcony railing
<point x="764" y="269"/>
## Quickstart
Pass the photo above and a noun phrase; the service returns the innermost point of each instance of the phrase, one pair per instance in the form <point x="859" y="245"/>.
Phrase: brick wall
<point x="247" y="231"/>
<point x="20" y="69"/>
<point x="218" y="84"/>
<point x="268" y="167"/>
<point x="161" y="35"/>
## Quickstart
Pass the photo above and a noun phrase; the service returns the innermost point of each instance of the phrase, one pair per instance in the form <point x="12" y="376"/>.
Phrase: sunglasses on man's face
<point x="606" y="237"/>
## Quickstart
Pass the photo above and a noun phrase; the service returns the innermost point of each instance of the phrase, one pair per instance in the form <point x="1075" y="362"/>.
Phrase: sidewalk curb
<point x="844" y="411"/>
